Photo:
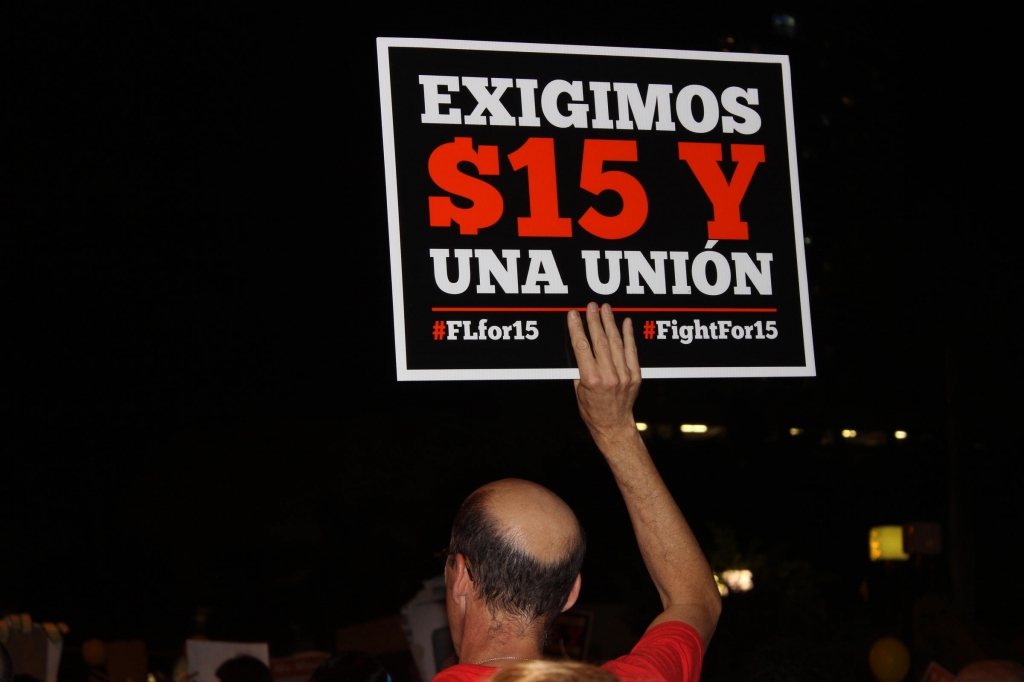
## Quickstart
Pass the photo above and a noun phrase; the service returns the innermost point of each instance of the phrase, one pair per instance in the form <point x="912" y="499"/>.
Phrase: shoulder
<point x="464" y="672"/>
<point x="668" y="652"/>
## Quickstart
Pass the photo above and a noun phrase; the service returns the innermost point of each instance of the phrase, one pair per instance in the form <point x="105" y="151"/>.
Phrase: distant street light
<point x="885" y="543"/>
<point x="738" y="580"/>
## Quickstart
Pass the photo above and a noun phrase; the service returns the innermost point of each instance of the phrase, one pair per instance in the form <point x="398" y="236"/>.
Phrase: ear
<point x="461" y="583"/>
<point x="574" y="594"/>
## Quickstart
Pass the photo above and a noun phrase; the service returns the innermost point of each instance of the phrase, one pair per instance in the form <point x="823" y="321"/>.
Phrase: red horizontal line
<point x="619" y="310"/>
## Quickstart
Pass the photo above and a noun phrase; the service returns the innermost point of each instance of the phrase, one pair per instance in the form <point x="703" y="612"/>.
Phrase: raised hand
<point x="609" y="371"/>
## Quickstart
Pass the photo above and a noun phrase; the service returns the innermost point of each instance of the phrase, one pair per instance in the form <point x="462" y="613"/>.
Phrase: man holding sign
<point x="517" y="548"/>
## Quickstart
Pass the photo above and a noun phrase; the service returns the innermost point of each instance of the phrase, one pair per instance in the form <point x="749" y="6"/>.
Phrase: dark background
<point x="199" y="404"/>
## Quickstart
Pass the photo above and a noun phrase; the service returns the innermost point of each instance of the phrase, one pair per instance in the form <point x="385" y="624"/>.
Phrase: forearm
<point x="605" y="392"/>
<point x="671" y="552"/>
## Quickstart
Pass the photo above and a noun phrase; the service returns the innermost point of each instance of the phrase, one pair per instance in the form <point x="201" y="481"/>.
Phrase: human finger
<point x="580" y="346"/>
<point x="598" y="338"/>
<point x="629" y="349"/>
<point x="614" y="342"/>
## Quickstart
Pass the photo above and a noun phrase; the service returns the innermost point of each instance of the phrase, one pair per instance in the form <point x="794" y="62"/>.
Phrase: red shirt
<point x="668" y="652"/>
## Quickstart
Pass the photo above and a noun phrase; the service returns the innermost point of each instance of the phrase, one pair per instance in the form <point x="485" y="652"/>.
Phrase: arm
<point x="608" y="385"/>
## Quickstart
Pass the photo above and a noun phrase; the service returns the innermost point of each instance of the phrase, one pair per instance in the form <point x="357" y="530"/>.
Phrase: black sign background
<point x="677" y="220"/>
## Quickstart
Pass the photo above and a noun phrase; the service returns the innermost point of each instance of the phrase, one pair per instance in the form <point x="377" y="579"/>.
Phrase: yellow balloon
<point x="889" y="660"/>
<point x="94" y="652"/>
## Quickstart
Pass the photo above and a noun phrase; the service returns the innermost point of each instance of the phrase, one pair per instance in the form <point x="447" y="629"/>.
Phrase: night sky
<point x="199" y="399"/>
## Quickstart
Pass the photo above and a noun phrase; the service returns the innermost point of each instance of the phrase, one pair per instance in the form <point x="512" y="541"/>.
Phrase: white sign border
<point x="394" y="233"/>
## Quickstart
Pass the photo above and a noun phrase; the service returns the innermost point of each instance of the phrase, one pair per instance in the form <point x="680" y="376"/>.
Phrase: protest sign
<point x="425" y="622"/>
<point x="525" y="179"/>
<point x="35" y="648"/>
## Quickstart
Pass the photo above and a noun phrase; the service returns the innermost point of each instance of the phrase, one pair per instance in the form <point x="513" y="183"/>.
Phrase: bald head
<point x="531" y="517"/>
<point x="992" y="671"/>
<point x="523" y="545"/>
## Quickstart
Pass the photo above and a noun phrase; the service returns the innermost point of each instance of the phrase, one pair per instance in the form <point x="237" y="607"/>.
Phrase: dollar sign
<point x="443" y="166"/>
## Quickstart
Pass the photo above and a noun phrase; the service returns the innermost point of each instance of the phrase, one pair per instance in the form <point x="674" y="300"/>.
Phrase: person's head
<point x="991" y="671"/>
<point x="553" y="671"/>
<point x="244" y="669"/>
<point x="351" y="666"/>
<point x="516" y="549"/>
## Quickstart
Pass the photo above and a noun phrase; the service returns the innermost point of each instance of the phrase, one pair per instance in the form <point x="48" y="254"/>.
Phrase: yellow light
<point x="694" y="428"/>
<point x="795" y="431"/>
<point x="723" y="589"/>
<point x="900" y="435"/>
<point x="641" y="426"/>
<point x="738" y="580"/>
<point x="885" y="543"/>
<point x="849" y="433"/>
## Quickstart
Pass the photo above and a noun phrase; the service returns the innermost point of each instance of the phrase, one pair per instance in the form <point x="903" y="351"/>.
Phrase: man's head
<point x="993" y="670"/>
<point x="518" y="549"/>
<point x="244" y="669"/>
